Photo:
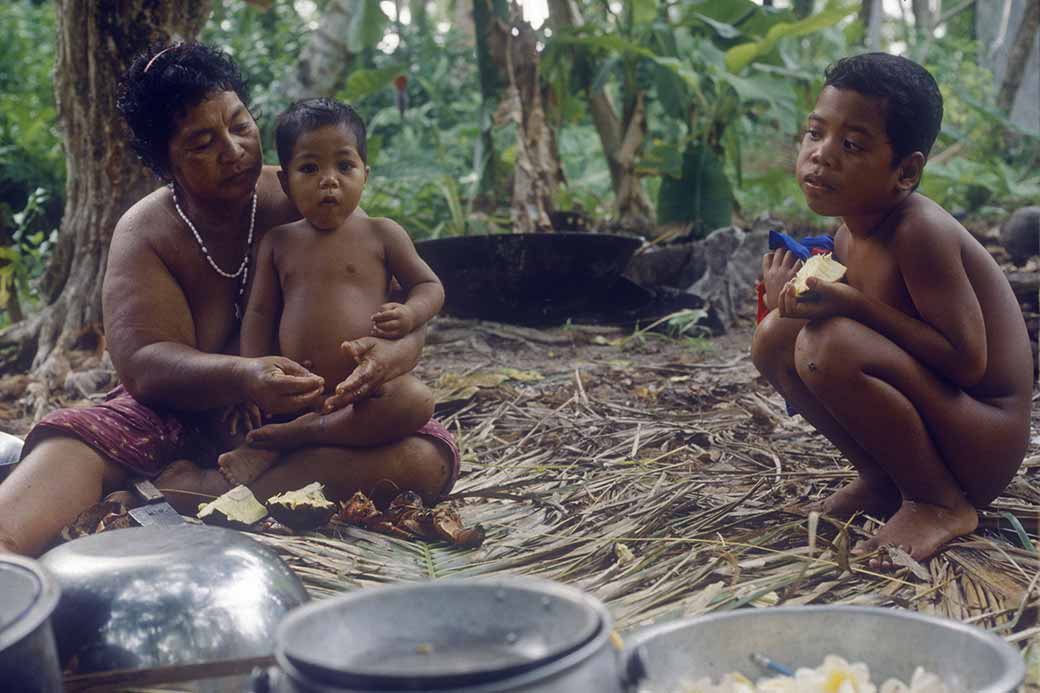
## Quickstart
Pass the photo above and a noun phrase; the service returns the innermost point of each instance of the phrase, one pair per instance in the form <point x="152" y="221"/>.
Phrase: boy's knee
<point x="825" y="345"/>
<point x="767" y="344"/>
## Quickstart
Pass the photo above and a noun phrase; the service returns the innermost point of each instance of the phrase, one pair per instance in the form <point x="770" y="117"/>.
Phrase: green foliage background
<point x="726" y="82"/>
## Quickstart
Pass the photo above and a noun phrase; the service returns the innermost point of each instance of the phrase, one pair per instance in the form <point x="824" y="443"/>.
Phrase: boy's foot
<point x="185" y="475"/>
<point x="244" y="464"/>
<point x="860" y="496"/>
<point x="921" y="529"/>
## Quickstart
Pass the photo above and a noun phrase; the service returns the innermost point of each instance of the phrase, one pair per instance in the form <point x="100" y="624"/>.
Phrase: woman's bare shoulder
<point x="147" y="221"/>
<point x="273" y="208"/>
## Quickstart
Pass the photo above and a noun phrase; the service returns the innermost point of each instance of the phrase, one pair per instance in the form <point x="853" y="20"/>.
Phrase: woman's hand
<point x="378" y="361"/>
<point x="778" y="267"/>
<point x="279" y="385"/>
<point x="823" y="300"/>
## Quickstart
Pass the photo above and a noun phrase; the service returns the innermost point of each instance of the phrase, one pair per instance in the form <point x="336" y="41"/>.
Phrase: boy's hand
<point x="778" y="267"/>
<point x="823" y="300"/>
<point x="393" y="321"/>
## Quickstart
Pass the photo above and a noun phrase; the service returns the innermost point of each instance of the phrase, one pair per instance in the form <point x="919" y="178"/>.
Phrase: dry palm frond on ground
<point x="665" y="478"/>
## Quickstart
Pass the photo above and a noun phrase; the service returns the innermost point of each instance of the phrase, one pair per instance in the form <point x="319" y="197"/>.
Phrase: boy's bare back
<point x="921" y="238"/>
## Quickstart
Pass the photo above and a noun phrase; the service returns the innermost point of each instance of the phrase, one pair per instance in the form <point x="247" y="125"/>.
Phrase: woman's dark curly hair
<point x="163" y="83"/>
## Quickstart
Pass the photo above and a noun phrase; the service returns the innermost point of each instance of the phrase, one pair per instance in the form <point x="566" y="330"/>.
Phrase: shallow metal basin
<point x="891" y="642"/>
<point x="160" y="596"/>
<point x="527" y="278"/>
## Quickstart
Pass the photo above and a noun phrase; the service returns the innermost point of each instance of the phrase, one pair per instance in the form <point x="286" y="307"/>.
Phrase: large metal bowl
<point x="159" y="596"/>
<point x="891" y="642"/>
<point x="527" y="278"/>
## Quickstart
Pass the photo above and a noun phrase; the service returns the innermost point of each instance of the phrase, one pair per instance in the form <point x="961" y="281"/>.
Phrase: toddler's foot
<point x="245" y="464"/>
<point x="860" y="496"/>
<point x="921" y="529"/>
<point x="309" y="428"/>
<point x="185" y="475"/>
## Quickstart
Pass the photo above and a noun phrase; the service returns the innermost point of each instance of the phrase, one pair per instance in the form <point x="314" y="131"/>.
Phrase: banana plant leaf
<point x="701" y="196"/>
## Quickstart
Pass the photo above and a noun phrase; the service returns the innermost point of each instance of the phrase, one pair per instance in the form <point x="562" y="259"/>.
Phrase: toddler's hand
<point x="393" y="321"/>
<point x="778" y="267"/>
<point x="238" y="420"/>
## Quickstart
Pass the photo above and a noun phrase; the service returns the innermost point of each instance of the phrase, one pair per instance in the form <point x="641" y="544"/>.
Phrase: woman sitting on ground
<point x="176" y="281"/>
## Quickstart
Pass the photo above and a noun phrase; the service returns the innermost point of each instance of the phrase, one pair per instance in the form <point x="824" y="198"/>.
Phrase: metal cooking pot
<point x="467" y="636"/>
<point x="28" y="657"/>
<point x="10" y="453"/>
<point x="166" y="595"/>
<point x="891" y="642"/>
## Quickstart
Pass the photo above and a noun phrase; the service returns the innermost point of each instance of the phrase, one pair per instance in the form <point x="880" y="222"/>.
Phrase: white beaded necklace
<point x="243" y="268"/>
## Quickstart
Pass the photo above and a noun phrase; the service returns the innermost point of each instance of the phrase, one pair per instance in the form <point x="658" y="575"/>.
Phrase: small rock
<point x="1020" y="234"/>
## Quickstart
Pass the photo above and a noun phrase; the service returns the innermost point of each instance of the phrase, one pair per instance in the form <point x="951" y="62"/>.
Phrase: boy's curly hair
<point x="162" y="83"/>
<point x="912" y="102"/>
<point x="311" y="114"/>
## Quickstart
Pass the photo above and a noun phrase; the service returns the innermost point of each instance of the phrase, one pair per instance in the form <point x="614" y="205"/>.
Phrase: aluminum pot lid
<point x="440" y="635"/>
<point x="29" y="595"/>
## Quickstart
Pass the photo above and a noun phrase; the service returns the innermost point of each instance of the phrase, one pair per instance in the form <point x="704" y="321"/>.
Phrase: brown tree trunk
<point x="621" y="141"/>
<point x="537" y="172"/>
<point x="1018" y="56"/>
<point x="490" y="53"/>
<point x="97" y="40"/>
<point x="326" y="57"/>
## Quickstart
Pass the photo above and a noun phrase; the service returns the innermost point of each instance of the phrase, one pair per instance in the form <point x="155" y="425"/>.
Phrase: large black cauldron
<point x="527" y="278"/>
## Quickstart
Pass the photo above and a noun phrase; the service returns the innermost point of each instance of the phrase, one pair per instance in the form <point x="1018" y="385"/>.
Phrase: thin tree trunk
<point x="420" y="18"/>
<point x="923" y="20"/>
<point x="870" y="15"/>
<point x="326" y="57"/>
<point x="1018" y="56"/>
<point x="97" y="41"/>
<point x="463" y="20"/>
<point x="537" y="173"/>
<point x="632" y="206"/>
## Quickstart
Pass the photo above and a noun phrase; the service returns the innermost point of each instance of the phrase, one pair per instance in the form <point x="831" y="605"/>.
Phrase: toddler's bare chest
<point x="332" y="269"/>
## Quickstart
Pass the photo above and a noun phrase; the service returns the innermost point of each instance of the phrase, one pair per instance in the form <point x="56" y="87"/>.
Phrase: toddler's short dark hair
<point x="912" y="102"/>
<point x="310" y="114"/>
<point x="164" y="82"/>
